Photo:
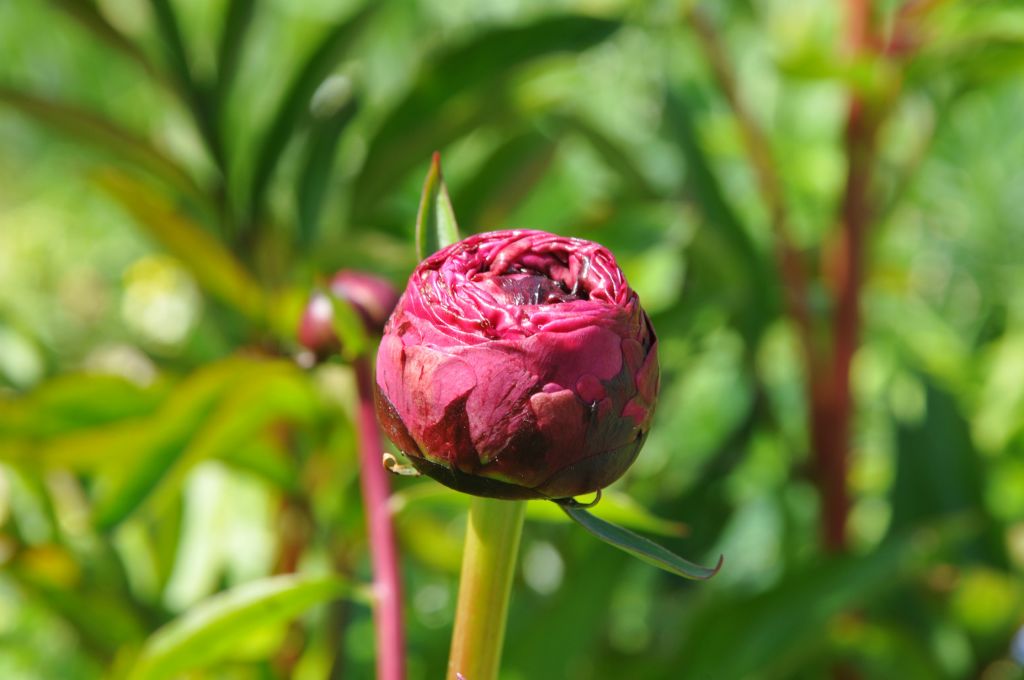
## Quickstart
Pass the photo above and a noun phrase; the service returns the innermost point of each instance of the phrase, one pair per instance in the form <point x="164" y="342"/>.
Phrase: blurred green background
<point x="175" y="175"/>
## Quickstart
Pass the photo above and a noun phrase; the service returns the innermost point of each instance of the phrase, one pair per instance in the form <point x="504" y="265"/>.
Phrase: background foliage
<point x="175" y="175"/>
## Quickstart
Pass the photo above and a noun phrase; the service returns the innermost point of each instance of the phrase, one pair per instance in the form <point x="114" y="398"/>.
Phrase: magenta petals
<point x="519" y="364"/>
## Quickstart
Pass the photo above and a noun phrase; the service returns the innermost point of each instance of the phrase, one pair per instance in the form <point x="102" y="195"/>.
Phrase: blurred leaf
<point x="104" y="135"/>
<point x="349" y="326"/>
<point x="237" y="20"/>
<point x="441" y="106"/>
<point x="103" y="620"/>
<point x="436" y="226"/>
<point x="783" y="628"/>
<point x="313" y="179"/>
<point x="213" y="265"/>
<point x="938" y="473"/>
<point x="618" y="159"/>
<point x="504" y="179"/>
<point x="296" y="100"/>
<point x="209" y="632"/>
<point x="197" y="95"/>
<point x="89" y="16"/>
<point x="639" y="547"/>
<point x="265" y="458"/>
<point x="614" y="507"/>
<point x="76" y="400"/>
<point x="722" y="236"/>
<point x="266" y="393"/>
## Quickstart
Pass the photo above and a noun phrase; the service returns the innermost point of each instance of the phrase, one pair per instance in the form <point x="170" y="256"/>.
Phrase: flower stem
<point x="387" y="613"/>
<point x="488" y="562"/>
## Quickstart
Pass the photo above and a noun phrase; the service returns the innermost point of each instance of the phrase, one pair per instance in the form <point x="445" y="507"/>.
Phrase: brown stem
<point x="832" y="404"/>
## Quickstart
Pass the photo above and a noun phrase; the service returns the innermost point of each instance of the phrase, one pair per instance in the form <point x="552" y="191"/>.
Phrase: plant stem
<point x="387" y="613"/>
<point x="489" y="560"/>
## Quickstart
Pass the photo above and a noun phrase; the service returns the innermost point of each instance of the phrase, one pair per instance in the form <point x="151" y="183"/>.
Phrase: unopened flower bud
<point x="371" y="296"/>
<point x="519" y="364"/>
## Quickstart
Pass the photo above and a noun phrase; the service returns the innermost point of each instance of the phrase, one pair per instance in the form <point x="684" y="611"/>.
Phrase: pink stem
<point x="387" y="613"/>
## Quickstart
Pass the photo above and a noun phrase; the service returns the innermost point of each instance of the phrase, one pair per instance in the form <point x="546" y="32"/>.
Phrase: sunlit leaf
<point x="458" y="89"/>
<point x="209" y="632"/>
<point x="436" y="226"/>
<point x="264" y="393"/>
<point x="314" y="178"/>
<point x="237" y="19"/>
<point x="104" y="135"/>
<point x="296" y="100"/>
<point x="640" y="547"/>
<point x="505" y="179"/>
<point x="214" y="266"/>
<point x="74" y="401"/>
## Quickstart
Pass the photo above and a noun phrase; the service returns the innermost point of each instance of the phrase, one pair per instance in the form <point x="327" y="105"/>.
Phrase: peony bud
<point x="371" y="296"/>
<point x="519" y="364"/>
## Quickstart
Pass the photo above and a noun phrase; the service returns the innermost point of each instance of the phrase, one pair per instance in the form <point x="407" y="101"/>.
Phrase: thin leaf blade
<point x="436" y="226"/>
<point x="216" y="269"/>
<point x="640" y="547"/>
<point x="207" y="633"/>
<point x="295" y="102"/>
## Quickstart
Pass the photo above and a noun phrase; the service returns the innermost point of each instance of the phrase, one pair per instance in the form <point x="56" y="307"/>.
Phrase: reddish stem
<point x="387" y="613"/>
<point x="832" y="404"/>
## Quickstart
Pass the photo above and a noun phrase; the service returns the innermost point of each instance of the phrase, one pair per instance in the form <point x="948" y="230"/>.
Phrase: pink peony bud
<point x="519" y="364"/>
<point x="372" y="297"/>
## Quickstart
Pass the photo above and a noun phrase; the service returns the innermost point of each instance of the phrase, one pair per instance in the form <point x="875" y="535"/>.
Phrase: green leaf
<point x="265" y="393"/>
<point x="614" y="507"/>
<point x="89" y="17"/>
<point x="502" y="181"/>
<point x="640" y="547"/>
<point x="216" y="269"/>
<point x="618" y="159"/>
<point x="237" y="20"/>
<point x="458" y="89"/>
<point x="74" y="401"/>
<point x="321" y="146"/>
<point x="196" y="94"/>
<point x="436" y="226"/>
<point x="785" y="626"/>
<point x="209" y="632"/>
<point x="103" y="135"/>
<point x="294" y="105"/>
<point x="350" y="328"/>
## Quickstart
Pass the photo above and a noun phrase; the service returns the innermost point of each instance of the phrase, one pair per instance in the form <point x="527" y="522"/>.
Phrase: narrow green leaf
<point x="214" y="266"/>
<point x="616" y="158"/>
<point x="237" y="20"/>
<point x="197" y="95"/>
<point x="321" y="145"/>
<point x="260" y="394"/>
<point x="90" y="18"/>
<point x="504" y="179"/>
<point x="640" y="547"/>
<point x="459" y="89"/>
<point x="209" y="632"/>
<point x="349" y="327"/>
<point x="73" y="401"/>
<point x="296" y="100"/>
<point x="435" y="220"/>
<point x="103" y="135"/>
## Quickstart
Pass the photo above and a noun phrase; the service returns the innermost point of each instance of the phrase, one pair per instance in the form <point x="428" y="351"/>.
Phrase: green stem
<point x="488" y="563"/>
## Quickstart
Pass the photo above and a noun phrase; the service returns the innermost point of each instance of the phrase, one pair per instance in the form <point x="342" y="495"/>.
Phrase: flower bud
<point x="519" y="364"/>
<point x="371" y="296"/>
